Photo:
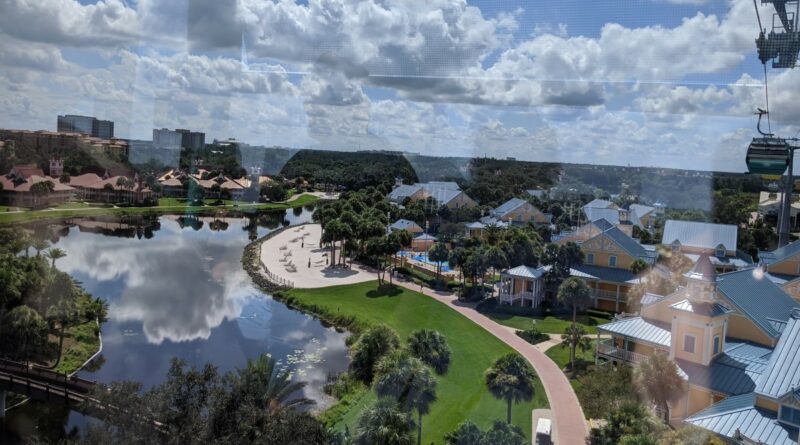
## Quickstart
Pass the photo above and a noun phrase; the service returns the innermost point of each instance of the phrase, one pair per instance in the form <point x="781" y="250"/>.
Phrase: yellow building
<point x="720" y="330"/>
<point x="608" y="257"/>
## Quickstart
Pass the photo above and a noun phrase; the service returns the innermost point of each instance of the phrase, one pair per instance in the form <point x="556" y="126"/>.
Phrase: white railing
<point x="275" y="279"/>
<point x="608" y="349"/>
<point x="606" y="294"/>
<point x="535" y="299"/>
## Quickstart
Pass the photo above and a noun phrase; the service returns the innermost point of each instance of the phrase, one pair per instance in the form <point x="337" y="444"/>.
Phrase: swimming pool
<point x="423" y="258"/>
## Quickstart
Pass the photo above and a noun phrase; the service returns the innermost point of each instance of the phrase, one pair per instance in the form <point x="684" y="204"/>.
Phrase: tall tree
<point x="574" y="337"/>
<point x="384" y="423"/>
<point x="573" y="293"/>
<point x="511" y="378"/>
<point x="438" y="253"/>
<point x="431" y="347"/>
<point x="39" y="244"/>
<point x="54" y="253"/>
<point x="370" y="347"/>
<point x="66" y="314"/>
<point x="657" y="376"/>
<point x="407" y="380"/>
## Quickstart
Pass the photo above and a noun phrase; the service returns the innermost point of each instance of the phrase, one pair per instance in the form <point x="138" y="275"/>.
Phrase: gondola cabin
<point x="767" y="156"/>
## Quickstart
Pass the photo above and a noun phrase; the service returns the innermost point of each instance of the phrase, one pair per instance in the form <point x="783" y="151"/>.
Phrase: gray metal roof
<point x="699" y="234"/>
<point x="403" y="191"/>
<point x="783" y="373"/>
<point x="525" y="272"/>
<point x="650" y="298"/>
<point x="595" y="213"/>
<point x="609" y="274"/>
<point x="404" y="224"/>
<point x="508" y="206"/>
<point x="602" y="224"/>
<point x="757" y="298"/>
<point x="707" y="309"/>
<point x="639" y="329"/>
<point x="781" y="254"/>
<point x="425" y="236"/>
<point x="599" y="204"/>
<point x="640" y="210"/>
<point x="739" y="413"/>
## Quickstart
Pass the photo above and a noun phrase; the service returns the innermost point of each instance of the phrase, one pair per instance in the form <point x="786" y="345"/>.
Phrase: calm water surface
<point x="182" y="293"/>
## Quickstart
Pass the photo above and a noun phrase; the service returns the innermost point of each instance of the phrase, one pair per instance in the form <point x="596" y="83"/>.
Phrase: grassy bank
<point x="80" y="343"/>
<point x="462" y="393"/>
<point x="170" y="206"/>
<point x="551" y="324"/>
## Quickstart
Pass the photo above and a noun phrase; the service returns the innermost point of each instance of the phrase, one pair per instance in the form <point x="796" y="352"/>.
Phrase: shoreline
<point x="11" y="218"/>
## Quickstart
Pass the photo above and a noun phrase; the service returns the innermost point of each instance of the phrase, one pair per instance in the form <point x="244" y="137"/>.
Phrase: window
<point x="676" y="246"/>
<point x="612" y="261"/>
<point x="720" y="252"/>
<point x="716" y="344"/>
<point x="589" y="258"/>
<point x="688" y="343"/>
<point x="790" y="415"/>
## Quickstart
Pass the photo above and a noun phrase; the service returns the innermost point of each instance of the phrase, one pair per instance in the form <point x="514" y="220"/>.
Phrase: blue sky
<point x="650" y="82"/>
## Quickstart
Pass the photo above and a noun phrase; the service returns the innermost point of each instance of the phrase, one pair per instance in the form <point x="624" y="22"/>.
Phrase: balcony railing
<point x="607" y="294"/>
<point x="608" y="349"/>
<point x="510" y="298"/>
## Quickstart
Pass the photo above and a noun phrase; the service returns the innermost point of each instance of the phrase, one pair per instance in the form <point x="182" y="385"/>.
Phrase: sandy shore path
<point x="295" y="255"/>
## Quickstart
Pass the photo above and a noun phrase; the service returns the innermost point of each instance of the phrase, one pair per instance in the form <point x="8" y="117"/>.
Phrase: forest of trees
<point x="353" y="170"/>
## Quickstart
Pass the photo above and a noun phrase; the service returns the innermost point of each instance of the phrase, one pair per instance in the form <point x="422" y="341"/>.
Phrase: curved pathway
<point x="569" y="423"/>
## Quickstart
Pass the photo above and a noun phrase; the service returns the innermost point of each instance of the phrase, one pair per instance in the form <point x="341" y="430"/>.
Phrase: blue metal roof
<point x="699" y="234"/>
<point x="640" y="210"/>
<point x="738" y="413"/>
<point x="731" y="374"/>
<point x="609" y="274"/>
<point x="425" y="236"/>
<point x="757" y="298"/>
<point x="639" y="329"/>
<point x="402" y="192"/>
<point x="627" y="243"/>
<point x="783" y="373"/>
<point x="781" y="254"/>
<point x="599" y="204"/>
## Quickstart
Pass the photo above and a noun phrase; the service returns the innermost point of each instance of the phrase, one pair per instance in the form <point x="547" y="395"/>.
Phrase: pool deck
<point x="296" y="245"/>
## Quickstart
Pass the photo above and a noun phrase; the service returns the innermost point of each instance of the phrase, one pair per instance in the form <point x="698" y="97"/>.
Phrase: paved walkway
<point x="569" y="424"/>
<point x="295" y="255"/>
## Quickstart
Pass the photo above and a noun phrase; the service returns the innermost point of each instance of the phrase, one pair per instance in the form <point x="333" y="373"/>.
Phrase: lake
<point x="176" y="288"/>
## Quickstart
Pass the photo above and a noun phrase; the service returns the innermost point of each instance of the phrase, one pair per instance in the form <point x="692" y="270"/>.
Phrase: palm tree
<point x="39" y="244"/>
<point x="54" y="253"/>
<point x="639" y="266"/>
<point x="66" y="313"/>
<point x="511" y="378"/>
<point x="407" y="380"/>
<point x="574" y="337"/>
<point x="431" y="347"/>
<point x="272" y="388"/>
<point x="495" y="258"/>
<point x="455" y="260"/>
<point x="573" y="292"/>
<point x="438" y="253"/>
<point x="657" y="376"/>
<point x="384" y="423"/>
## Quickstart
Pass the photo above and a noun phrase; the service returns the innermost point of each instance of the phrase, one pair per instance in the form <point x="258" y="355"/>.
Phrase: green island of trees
<point x="46" y="318"/>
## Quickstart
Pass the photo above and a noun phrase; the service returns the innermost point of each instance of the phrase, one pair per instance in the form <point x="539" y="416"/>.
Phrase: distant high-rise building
<point x="166" y="138"/>
<point x="193" y="140"/>
<point x="89" y="125"/>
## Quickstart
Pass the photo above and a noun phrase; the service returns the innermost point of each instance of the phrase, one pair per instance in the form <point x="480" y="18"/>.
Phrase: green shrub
<point x="533" y="336"/>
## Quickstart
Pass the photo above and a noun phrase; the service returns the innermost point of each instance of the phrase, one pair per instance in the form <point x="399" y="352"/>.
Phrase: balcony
<point x="607" y="294"/>
<point x="512" y="298"/>
<point x="607" y="349"/>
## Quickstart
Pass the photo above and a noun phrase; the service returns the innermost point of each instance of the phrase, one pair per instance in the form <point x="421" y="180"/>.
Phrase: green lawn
<point x="462" y="393"/>
<point x="550" y="324"/>
<point x="77" y="205"/>
<point x="166" y="207"/>
<point x="560" y="355"/>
